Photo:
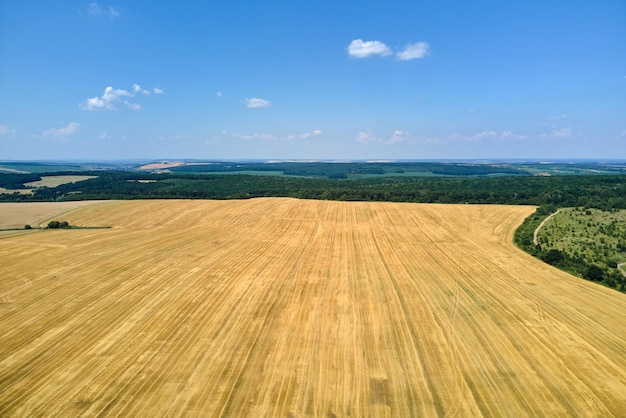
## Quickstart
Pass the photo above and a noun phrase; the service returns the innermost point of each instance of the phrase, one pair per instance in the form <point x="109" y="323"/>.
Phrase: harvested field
<point x="16" y="215"/>
<point x="283" y="307"/>
<point x="54" y="181"/>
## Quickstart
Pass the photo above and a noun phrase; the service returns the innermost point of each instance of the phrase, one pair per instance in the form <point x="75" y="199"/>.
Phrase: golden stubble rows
<point x="283" y="307"/>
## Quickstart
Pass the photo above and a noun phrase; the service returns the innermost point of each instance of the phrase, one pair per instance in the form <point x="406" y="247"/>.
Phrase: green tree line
<point x="603" y="191"/>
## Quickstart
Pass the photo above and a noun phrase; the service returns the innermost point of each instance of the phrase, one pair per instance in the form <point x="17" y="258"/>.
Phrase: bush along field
<point x="587" y="242"/>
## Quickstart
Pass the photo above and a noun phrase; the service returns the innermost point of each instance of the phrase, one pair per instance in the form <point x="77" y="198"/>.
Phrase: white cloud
<point x="5" y="130"/>
<point x="362" y="49"/>
<point x="257" y="102"/>
<point x="511" y="135"/>
<point x="400" y="136"/>
<point x="558" y="133"/>
<point x="95" y="10"/>
<point x="69" y="130"/>
<point x="114" y="99"/>
<point x="359" y="48"/>
<point x="622" y="134"/>
<point x="307" y="135"/>
<point x="396" y="138"/>
<point x="366" y="137"/>
<point x="492" y="135"/>
<point x="137" y="89"/>
<point x="562" y="133"/>
<point x="110" y="100"/>
<point x="104" y="136"/>
<point x="132" y="106"/>
<point x="272" y="138"/>
<point x="219" y="94"/>
<point x="413" y="51"/>
<point x="483" y="135"/>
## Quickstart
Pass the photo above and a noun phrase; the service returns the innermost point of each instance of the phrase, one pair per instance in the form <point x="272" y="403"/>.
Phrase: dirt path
<point x="535" y="240"/>
<point x="620" y="267"/>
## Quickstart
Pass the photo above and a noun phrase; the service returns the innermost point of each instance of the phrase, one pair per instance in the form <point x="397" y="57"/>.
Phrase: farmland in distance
<point x="285" y="307"/>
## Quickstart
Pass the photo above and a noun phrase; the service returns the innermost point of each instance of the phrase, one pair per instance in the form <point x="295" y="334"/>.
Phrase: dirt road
<point x="535" y="235"/>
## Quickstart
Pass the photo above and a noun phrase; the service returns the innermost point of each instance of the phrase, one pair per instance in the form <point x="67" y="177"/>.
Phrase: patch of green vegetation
<point x="58" y="225"/>
<point x="352" y="170"/>
<point x="590" y="236"/>
<point x="255" y="172"/>
<point x="586" y="242"/>
<point x="565" y="169"/>
<point x="602" y="192"/>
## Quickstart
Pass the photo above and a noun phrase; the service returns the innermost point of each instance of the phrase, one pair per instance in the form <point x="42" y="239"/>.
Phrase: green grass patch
<point x="588" y="237"/>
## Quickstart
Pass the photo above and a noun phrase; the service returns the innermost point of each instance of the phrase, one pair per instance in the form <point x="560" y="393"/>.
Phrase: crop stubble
<point x="283" y="307"/>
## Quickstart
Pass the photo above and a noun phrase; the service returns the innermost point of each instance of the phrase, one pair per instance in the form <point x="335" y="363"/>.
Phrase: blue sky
<point x="312" y="80"/>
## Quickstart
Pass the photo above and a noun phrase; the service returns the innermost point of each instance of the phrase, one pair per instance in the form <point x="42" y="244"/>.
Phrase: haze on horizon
<point x="312" y="80"/>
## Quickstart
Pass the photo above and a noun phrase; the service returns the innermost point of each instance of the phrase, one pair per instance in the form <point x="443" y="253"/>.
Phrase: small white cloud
<point x="137" y="89"/>
<point x="114" y="99"/>
<point x="256" y="102"/>
<point x="6" y="132"/>
<point x="271" y="138"/>
<point x="104" y="136"/>
<point x="306" y="135"/>
<point x="397" y="137"/>
<point x="511" y="135"/>
<point x="108" y="101"/>
<point x="95" y="10"/>
<point x="622" y="134"/>
<point x="69" y="130"/>
<point x="362" y="49"/>
<point x="366" y="137"/>
<point x="132" y="106"/>
<point x="413" y="51"/>
<point x="157" y="90"/>
<point x="557" y="133"/>
<point x="483" y="135"/>
<point x="491" y="136"/>
<point x="219" y="94"/>
<point x="562" y="133"/>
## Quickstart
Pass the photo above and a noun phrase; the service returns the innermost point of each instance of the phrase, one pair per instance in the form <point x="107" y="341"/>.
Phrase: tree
<point x="57" y="225"/>
<point x="553" y="257"/>
<point x="594" y="273"/>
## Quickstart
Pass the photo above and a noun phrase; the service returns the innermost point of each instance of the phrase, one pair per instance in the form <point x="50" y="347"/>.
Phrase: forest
<point x="604" y="192"/>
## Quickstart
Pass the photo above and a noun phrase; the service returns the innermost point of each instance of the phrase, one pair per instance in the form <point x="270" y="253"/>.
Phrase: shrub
<point x="553" y="257"/>
<point x="57" y="225"/>
<point x="594" y="273"/>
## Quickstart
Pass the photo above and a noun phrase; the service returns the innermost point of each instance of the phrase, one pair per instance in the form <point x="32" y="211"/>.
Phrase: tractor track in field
<point x="285" y="307"/>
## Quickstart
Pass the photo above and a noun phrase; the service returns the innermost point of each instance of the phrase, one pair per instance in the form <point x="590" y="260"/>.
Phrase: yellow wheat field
<point x="282" y="307"/>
